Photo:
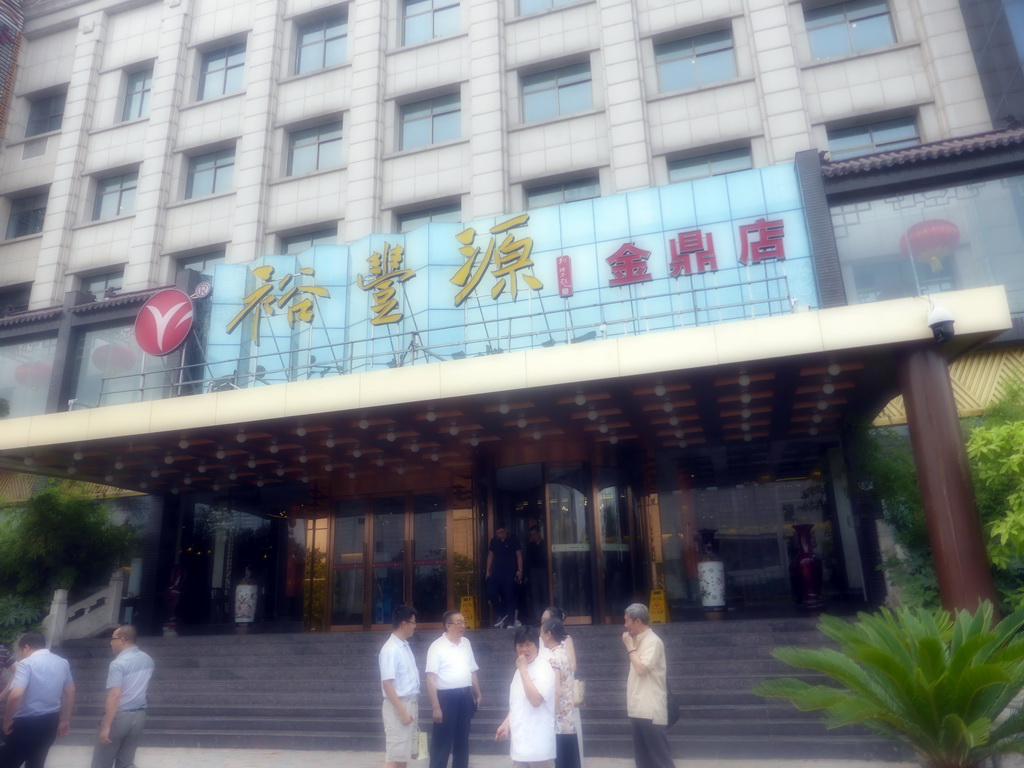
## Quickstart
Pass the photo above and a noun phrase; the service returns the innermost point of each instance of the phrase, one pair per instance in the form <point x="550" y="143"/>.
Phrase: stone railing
<point x="97" y="613"/>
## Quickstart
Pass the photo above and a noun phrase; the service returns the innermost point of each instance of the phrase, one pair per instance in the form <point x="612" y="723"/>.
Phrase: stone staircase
<point x="321" y="691"/>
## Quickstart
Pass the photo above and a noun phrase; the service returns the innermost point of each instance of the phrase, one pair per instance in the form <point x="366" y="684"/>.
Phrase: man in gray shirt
<point x="38" y="706"/>
<point x="125" y="712"/>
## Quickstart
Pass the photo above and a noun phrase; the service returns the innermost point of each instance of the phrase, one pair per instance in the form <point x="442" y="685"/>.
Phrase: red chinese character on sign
<point x="762" y="240"/>
<point x="688" y="245"/>
<point x="563" y="268"/>
<point x="629" y="265"/>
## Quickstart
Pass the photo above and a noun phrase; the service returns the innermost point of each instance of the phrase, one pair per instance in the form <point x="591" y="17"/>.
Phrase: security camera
<point x="941" y="320"/>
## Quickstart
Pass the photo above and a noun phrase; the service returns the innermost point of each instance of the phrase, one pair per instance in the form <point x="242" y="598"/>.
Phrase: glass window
<point x="410" y="220"/>
<point x="695" y="61"/>
<point x="534" y="6"/>
<point x="710" y="165"/>
<point x="564" y="192"/>
<point x="562" y="91"/>
<point x="45" y="114"/>
<point x="946" y="238"/>
<point x="424" y="20"/>
<point x="103" y="286"/>
<point x="109" y="368"/>
<point x="136" y="94"/>
<point x="27" y="215"/>
<point x="299" y="243"/>
<point x="115" y="196"/>
<point x="14" y="299"/>
<point x="851" y="27"/>
<point x="210" y="173"/>
<point x="313" y="149"/>
<point x="321" y="44"/>
<point x="844" y="143"/>
<point x="431" y="121"/>
<point x="201" y="262"/>
<point x="221" y="71"/>
<point x="25" y="371"/>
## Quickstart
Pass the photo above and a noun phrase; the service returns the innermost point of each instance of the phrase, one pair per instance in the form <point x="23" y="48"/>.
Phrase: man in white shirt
<point x="531" y="705"/>
<point x="646" y="690"/>
<point x="38" y="706"/>
<point x="124" y="715"/>
<point x="454" y="692"/>
<point x="400" y="684"/>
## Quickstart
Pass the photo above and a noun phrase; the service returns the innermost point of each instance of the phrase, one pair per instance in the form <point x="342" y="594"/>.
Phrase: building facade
<point x="576" y="266"/>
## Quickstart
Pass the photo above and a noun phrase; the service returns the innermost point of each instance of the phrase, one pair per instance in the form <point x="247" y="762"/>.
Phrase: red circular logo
<point x="163" y="322"/>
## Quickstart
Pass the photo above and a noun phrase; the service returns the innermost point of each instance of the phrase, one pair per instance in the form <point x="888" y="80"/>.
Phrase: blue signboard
<point x="694" y="253"/>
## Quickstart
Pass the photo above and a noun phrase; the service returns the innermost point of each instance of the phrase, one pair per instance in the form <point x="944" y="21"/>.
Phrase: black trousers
<point x="650" y="744"/>
<point x="451" y="735"/>
<point x="29" y="741"/>
<point x="567" y="750"/>
<point x="502" y="594"/>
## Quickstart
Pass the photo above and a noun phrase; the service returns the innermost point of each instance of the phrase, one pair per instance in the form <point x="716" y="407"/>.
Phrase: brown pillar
<point x="961" y="562"/>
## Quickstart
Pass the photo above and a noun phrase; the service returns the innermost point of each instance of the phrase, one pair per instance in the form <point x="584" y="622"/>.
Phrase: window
<point x="695" y="61"/>
<point x="844" y="143"/>
<point x="556" y="92"/>
<point x="431" y="122"/>
<point x="45" y="114"/>
<point x="221" y="71"/>
<point x="710" y="165"/>
<point x="103" y="286"/>
<point x="201" y="262"/>
<point x="210" y="173"/>
<point x="14" y="299"/>
<point x="136" y="94"/>
<point x="313" y="149"/>
<point x="424" y="20"/>
<point x="850" y="27"/>
<point x="533" y="6"/>
<point x="115" y="196"/>
<point x="321" y="44"/>
<point x="27" y="215"/>
<point x="565" y="192"/>
<point x="299" y="243"/>
<point x="410" y="220"/>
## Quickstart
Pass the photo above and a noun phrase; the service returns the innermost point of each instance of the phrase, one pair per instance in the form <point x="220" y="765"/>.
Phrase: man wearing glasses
<point x="400" y="684"/>
<point x="454" y="692"/>
<point x="125" y="712"/>
<point x="38" y="706"/>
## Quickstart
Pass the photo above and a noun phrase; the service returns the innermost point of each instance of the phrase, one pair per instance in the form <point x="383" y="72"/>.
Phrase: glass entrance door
<point x="388" y="551"/>
<point x="429" y="557"/>
<point x="569" y="529"/>
<point x="388" y="554"/>
<point x="349" y="564"/>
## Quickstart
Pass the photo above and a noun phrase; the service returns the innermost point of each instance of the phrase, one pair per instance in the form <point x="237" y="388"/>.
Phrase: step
<point x="320" y="691"/>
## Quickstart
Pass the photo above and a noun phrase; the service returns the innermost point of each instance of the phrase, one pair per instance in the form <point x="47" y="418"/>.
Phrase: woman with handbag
<point x="567" y="751"/>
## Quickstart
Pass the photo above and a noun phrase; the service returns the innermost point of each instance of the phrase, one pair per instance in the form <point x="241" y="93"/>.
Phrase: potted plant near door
<point x="947" y="686"/>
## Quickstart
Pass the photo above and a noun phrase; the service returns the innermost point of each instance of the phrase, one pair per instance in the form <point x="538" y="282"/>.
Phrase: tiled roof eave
<point x="991" y="141"/>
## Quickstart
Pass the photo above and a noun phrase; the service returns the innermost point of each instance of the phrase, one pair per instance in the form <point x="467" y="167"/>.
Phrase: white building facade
<point x="685" y="411"/>
<point x="195" y="129"/>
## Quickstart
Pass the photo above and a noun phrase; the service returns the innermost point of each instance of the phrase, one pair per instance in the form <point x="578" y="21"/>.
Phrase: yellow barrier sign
<point x="467" y="607"/>
<point x="658" y="607"/>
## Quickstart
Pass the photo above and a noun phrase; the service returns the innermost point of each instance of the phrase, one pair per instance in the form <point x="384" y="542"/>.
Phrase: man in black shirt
<point x="537" y="574"/>
<point x="504" y="571"/>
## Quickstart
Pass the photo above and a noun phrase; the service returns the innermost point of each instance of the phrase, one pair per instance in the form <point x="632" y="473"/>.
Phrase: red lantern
<point x="33" y="375"/>
<point x="114" y="359"/>
<point x="929" y="242"/>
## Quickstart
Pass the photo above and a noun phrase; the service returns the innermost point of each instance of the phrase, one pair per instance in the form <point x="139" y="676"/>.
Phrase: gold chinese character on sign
<point x="385" y="271"/>
<point x="264" y="302"/>
<point x="504" y="260"/>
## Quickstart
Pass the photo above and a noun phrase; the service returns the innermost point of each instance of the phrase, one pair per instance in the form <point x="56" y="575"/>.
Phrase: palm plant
<point x="943" y="685"/>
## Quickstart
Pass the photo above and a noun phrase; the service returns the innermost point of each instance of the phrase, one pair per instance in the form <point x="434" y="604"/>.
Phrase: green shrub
<point x="18" y="614"/>
<point x="921" y="677"/>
